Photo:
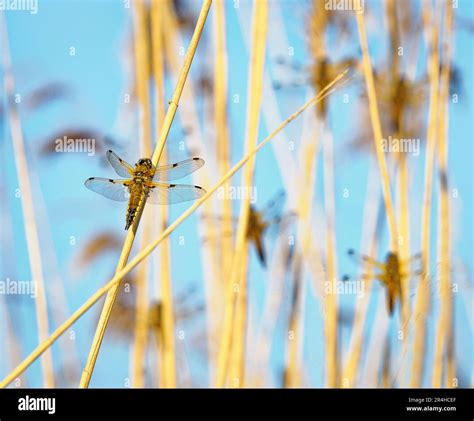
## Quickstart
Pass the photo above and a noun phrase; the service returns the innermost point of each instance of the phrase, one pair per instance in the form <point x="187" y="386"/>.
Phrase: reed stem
<point x="377" y="132"/>
<point x="236" y="284"/>
<point x="444" y="324"/>
<point x="423" y="291"/>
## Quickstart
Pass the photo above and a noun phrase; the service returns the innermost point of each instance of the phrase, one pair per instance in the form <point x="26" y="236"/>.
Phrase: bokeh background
<point x="74" y="71"/>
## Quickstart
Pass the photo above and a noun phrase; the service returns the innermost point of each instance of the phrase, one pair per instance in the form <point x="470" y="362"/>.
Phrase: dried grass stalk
<point x="423" y="292"/>
<point x="236" y="287"/>
<point x="444" y="326"/>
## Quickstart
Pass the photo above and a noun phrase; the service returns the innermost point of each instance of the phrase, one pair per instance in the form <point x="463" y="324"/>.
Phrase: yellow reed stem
<point x="404" y="225"/>
<point x="377" y="131"/>
<point x="142" y="76"/>
<point x="330" y="300"/>
<point x="237" y="353"/>
<point x="173" y="105"/>
<point x="141" y="324"/>
<point x="444" y="322"/>
<point x="40" y="349"/>
<point x="352" y="365"/>
<point x="308" y="162"/>
<point x="403" y="210"/>
<point x="167" y="352"/>
<point x="223" y="152"/>
<point x="292" y="377"/>
<point x="207" y="228"/>
<point x="220" y="118"/>
<point x="309" y="157"/>
<point x="27" y="206"/>
<point x="423" y="292"/>
<point x="235" y="290"/>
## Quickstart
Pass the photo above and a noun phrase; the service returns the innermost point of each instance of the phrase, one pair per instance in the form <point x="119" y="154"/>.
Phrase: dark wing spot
<point x="110" y="150"/>
<point x="111" y="180"/>
<point x="172" y="185"/>
<point x="175" y="165"/>
<point x="196" y="159"/>
<point x="90" y="178"/>
<point x="198" y="187"/>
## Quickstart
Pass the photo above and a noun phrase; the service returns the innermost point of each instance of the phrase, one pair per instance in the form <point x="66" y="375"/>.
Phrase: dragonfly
<point x="391" y="275"/>
<point x="261" y="220"/>
<point x="145" y="181"/>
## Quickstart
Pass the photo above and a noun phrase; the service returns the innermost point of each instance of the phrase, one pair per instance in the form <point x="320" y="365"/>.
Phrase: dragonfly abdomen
<point x="136" y="193"/>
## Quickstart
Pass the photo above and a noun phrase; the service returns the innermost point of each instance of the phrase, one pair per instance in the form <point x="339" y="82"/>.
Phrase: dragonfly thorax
<point x="144" y="169"/>
<point x="392" y="264"/>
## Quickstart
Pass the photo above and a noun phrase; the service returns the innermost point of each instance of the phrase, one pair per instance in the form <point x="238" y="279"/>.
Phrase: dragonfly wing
<point x="121" y="167"/>
<point x="273" y="210"/>
<point x="112" y="189"/>
<point x="177" y="170"/>
<point x="363" y="259"/>
<point x="162" y="194"/>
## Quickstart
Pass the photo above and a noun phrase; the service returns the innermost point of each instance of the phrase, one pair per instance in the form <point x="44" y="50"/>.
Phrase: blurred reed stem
<point x="173" y="105"/>
<point x="237" y="355"/>
<point x="27" y="206"/>
<point x="223" y="159"/>
<point x="207" y="227"/>
<point x="308" y="159"/>
<point x="353" y="364"/>
<point x="142" y="254"/>
<point x="330" y="300"/>
<point x="233" y="340"/>
<point x="432" y="22"/>
<point x="403" y="181"/>
<point x="319" y="24"/>
<point x="167" y="353"/>
<point x="292" y="375"/>
<point x="12" y="342"/>
<point x="377" y="131"/>
<point x="444" y="325"/>
<point x="142" y="77"/>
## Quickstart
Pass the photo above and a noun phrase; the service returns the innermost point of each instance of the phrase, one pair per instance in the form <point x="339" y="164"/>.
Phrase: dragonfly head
<point x="391" y="257"/>
<point x="145" y="162"/>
